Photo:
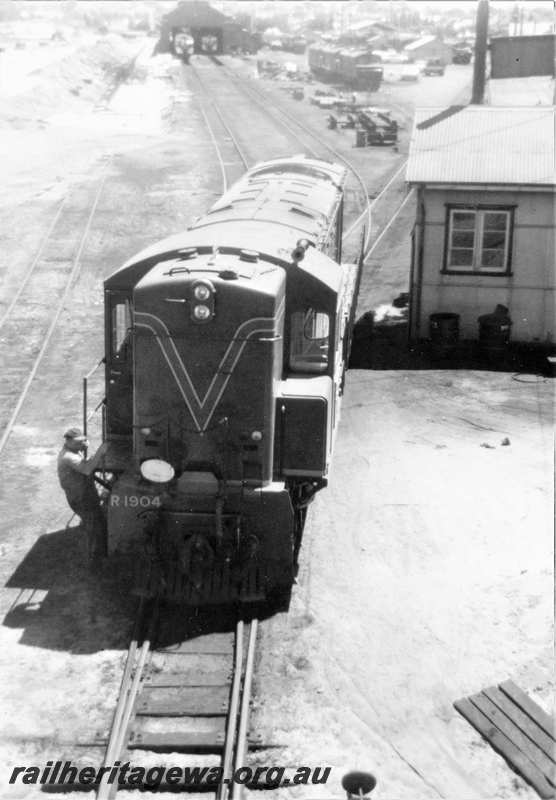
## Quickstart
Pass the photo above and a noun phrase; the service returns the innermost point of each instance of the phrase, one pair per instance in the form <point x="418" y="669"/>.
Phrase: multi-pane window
<point x="478" y="240"/>
<point x="309" y="341"/>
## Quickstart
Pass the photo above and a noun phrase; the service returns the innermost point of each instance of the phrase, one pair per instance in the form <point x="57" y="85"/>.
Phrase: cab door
<point x="119" y="363"/>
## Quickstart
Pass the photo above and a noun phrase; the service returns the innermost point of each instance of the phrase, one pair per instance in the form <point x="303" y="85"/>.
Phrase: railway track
<point x="288" y="121"/>
<point x="297" y="132"/>
<point x="231" y="156"/>
<point x="394" y="182"/>
<point x="394" y="185"/>
<point x="183" y="693"/>
<point x="29" y="322"/>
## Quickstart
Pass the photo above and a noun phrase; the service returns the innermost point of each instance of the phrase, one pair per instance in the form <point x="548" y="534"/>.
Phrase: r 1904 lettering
<point x="135" y="501"/>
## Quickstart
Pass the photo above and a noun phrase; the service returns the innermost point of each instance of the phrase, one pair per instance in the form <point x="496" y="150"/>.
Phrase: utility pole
<point x="479" y="67"/>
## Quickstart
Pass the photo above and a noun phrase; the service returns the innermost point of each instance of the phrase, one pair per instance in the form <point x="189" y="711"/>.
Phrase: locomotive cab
<point x="306" y="402"/>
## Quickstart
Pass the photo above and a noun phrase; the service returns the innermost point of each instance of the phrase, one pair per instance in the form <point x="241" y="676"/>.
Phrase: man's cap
<point x="76" y="434"/>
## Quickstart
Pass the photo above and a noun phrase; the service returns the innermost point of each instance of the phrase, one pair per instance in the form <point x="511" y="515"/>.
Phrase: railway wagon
<point x="225" y="353"/>
<point x="357" y="68"/>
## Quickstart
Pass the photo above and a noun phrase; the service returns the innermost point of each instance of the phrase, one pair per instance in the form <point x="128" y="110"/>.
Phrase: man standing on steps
<point x="81" y="494"/>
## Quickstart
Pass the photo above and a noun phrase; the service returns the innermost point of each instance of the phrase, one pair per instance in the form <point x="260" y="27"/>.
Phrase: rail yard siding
<point x="528" y="290"/>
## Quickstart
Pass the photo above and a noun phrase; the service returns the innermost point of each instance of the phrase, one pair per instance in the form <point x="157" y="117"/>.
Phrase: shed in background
<point x="428" y="47"/>
<point x="213" y="32"/>
<point x="522" y="56"/>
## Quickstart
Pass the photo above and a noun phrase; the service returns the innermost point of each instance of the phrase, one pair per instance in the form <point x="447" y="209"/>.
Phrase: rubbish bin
<point x="444" y="333"/>
<point x="360" y="138"/>
<point x="362" y="341"/>
<point x="494" y="331"/>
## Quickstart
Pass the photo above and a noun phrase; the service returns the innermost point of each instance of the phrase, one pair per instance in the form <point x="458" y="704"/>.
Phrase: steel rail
<point x="232" y="137"/>
<point x="235" y="741"/>
<point x="251" y="91"/>
<point x="377" y="199"/>
<point x="34" y="263"/>
<point x="388" y="226"/>
<point x="72" y="274"/>
<point x="216" y="149"/>
<point x="211" y="131"/>
<point x="268" y="113"/>
<point x="129" y="688"/>
<point x="358" y="177"/>
<point x="109" y="756"/>
<point x="241" y="747"/>
<point x="254" y="95"/>
<point x="224" y="787"/>
<point x="59" y="308"/>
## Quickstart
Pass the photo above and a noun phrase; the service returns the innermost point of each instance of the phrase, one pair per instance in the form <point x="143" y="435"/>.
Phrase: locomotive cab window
<point x="121" y="325"/>
<point x="309" y="341"/>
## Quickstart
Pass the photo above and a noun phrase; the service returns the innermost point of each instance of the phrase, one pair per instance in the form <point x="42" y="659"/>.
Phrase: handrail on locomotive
<point x="85" y="400"/>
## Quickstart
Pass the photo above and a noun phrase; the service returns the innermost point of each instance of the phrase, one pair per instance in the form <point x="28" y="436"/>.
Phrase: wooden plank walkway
<point x="517" y="728"/>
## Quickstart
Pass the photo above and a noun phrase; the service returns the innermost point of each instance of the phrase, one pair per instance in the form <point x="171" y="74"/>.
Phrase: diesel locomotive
<point x="226" y="347"/>
<point x="182" y="44"/>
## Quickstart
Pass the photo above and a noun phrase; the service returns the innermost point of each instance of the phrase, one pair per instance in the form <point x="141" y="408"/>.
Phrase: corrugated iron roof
<point x="483" y="144"/>
<point x="196" y="13"/>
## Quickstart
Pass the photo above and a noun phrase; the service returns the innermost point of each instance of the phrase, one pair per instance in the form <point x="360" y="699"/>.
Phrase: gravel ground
<point x="426" y="566"/>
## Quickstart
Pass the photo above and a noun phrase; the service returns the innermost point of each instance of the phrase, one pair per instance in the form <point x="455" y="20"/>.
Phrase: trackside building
<point x="428" y="47"/>
<point x="485" y="227"/>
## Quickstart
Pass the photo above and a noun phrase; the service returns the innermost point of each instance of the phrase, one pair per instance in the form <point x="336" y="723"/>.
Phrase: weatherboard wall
<point x="528" y="290"/>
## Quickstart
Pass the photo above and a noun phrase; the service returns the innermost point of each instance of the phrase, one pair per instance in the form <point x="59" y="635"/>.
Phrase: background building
<point x="428" y="47"/>
<point x="212" y="31"/>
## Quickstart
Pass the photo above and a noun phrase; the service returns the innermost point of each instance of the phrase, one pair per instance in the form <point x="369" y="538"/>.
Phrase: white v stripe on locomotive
<point x="202" y="410"/>
<point x="244" y="330"/>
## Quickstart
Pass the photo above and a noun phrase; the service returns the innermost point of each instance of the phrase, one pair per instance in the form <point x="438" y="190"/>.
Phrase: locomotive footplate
<point x="219" y="585"/>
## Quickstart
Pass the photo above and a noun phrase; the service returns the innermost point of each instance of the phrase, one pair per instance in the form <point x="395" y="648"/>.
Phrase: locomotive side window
<point x="309" y="341"/>
<point x="121" y="323"/>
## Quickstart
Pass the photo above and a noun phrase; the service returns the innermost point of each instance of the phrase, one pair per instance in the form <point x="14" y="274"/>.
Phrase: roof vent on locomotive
<point x="226" y="347"/>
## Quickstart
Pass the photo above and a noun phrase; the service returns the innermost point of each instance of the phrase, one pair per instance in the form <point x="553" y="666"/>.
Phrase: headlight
<point x="201" y="312"/>
<point x="201" y="292"/>
<point x="201" y="301"/>
<point x="157" y="471"/>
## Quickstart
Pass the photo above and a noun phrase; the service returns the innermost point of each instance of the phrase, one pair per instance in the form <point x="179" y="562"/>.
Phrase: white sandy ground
<point x="427" y="563"/>
<point x="427" y="576"/>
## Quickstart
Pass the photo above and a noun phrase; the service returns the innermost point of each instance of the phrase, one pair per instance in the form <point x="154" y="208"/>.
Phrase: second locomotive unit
<point x="182" y="44"/>
<point x="226" y="347"/>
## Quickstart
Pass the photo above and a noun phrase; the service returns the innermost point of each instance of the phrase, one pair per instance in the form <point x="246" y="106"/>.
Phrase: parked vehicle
<point x="410" y="72"/>
<point x="354" y="67"/>
<point x="461" y="55"/>
<point x="434" y="66"/>
<point x="375" y="126"/>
